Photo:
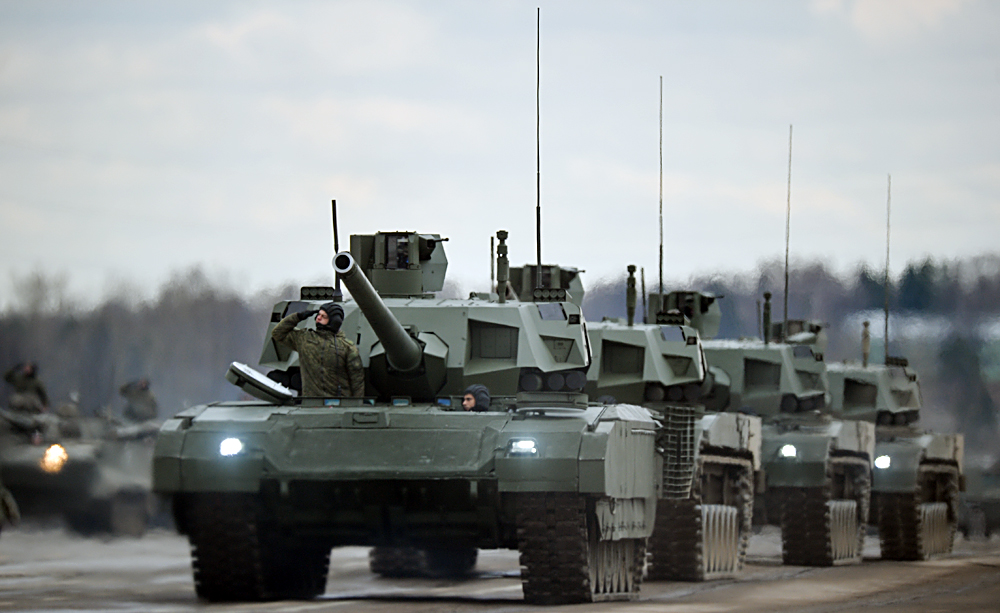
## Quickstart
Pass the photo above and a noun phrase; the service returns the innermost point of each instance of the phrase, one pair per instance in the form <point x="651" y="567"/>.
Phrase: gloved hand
<point x="304" y="315"/>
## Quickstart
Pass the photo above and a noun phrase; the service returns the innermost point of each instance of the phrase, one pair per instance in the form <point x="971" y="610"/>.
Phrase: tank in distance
<point x="816" y="470"/>
<point x="570" y="484"/>
<point x="917" y="474"/>
<point x="93" y="473"/>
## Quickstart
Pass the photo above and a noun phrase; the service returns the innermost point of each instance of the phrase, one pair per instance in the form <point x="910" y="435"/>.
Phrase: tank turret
<point x="701" y="309"/>
<point x="401" y="365"/>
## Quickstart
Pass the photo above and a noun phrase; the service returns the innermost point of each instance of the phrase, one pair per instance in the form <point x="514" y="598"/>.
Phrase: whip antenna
<point x="788" y="221"/>
<point x="888" y="202"/>
<point x="661" y="193"/>
<point x="538" y="150"/>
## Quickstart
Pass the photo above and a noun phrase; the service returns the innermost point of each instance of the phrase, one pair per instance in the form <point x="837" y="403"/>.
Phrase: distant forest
<point x="945" y="317"/>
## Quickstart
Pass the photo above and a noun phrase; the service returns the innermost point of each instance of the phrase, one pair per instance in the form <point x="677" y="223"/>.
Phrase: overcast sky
<point x="139" y="138"/>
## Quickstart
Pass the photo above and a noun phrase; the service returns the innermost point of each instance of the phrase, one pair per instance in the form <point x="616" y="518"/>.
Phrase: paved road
<point x="45" y="569"/>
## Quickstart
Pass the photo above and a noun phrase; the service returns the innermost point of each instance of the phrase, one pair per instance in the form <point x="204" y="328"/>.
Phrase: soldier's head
<point x="476" y="398"/>
<point x="30" y="369"/>
<point x="330" y="316"/>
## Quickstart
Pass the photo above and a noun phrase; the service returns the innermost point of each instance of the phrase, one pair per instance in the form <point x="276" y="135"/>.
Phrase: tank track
<point x="235" y="558"/>
<point x="562" y="560"/>
<point x="818" y="530"/>
<point x="692" y="541"/>
<point x="912" y="528"/>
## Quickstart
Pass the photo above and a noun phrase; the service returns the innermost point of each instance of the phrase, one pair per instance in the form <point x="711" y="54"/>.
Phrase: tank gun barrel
<point x="402" y="351"/>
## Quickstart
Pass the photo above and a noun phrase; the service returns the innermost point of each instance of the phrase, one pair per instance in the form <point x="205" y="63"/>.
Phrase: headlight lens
<point x="883" y="462"/>
<point x="230" y="446"/>
<point x="788" y="451"/>
<point x="54" y="459"/>
<point x="522" y="447"/>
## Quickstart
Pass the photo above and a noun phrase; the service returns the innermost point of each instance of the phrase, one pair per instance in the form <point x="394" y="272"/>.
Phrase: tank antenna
<point x="492" y="255"/>
<point x="661" y="197"/>
<point x="788" y="220"/>
<point x="888" y="203"/>
<point x="538" y="150"/>
<point x="337" y="294"/>
<point x="642" y="276"/>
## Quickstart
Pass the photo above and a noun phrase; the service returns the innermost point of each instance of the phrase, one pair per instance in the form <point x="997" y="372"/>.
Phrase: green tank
<point x="264" y="489"/>
<point x="816" y="470"/>
<point x="918" y="474"/>
<point x="92" y="472"/>
<point x="703" y="521"/>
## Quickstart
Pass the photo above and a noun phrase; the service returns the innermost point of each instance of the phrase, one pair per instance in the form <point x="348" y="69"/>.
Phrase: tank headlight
<point x="522" y="447"/>
<point x="883" y="462"/>
<point x="54" y="459"/>
<point x="230" y="446"/>
<point x="788" y="451"/>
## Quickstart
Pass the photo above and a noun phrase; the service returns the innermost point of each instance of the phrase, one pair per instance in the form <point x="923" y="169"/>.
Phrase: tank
<point x="93" y="473"/>
<point x="816" y="470"/>
<point x="918" y="474"/>
<point x="703" y="529"/>
<point x="265" y="488"/>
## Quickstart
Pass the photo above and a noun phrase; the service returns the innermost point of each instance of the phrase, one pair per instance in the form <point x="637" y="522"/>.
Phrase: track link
<point x="824" y="527"/>
<point x="234" y="558"/>
<point x="705" y="536"/>
<point x="918" y="525"/>
<point x="562" y="560"/>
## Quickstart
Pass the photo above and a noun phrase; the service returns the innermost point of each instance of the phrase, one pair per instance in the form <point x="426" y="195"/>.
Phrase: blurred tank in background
<point x="90" y="471"/>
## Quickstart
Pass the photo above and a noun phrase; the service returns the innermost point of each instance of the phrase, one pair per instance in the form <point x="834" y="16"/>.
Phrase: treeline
<point x="184" y="338"/>
<point x="182" y="341"/>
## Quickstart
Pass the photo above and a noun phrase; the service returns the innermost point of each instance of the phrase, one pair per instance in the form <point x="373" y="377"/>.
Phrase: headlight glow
<point x="522" y="447"/>
<point x="883" y="462"/>
<point x="54" y="459"/>
<point x="788" y="451"/>
<point x="230" y="446"/>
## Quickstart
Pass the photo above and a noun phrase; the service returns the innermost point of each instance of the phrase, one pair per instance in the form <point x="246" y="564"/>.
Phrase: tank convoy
<point x="703" y="520"/>
<point x="816" y="470"/>
<point x="264" y="489"/>
<point x="918" y="474"/>
<point x="93" y="473"/>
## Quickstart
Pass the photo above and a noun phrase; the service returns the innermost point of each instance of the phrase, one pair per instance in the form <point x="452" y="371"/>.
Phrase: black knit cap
<point x="331" y="308"/>
<point x="482" y="395"/>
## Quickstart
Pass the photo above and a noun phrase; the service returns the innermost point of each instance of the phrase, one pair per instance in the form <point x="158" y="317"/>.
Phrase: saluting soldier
<point x="29" y="393"/>
<point x="140" y="403"/>
<point x="330" y="364"/>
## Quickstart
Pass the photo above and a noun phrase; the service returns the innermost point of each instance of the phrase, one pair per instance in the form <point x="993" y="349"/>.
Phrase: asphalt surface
<point x="47" y="569"/>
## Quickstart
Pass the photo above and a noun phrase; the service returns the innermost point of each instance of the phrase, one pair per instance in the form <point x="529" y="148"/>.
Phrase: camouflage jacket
<point x="331" y="365"/>
<point x="23" y="384"/>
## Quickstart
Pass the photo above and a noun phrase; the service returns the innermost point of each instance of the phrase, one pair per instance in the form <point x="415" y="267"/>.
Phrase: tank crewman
<point x="330" y="364"/>
<point x="140" y="403"/>
<point x="29" y="394"/>
<point x="476" y="398"/>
